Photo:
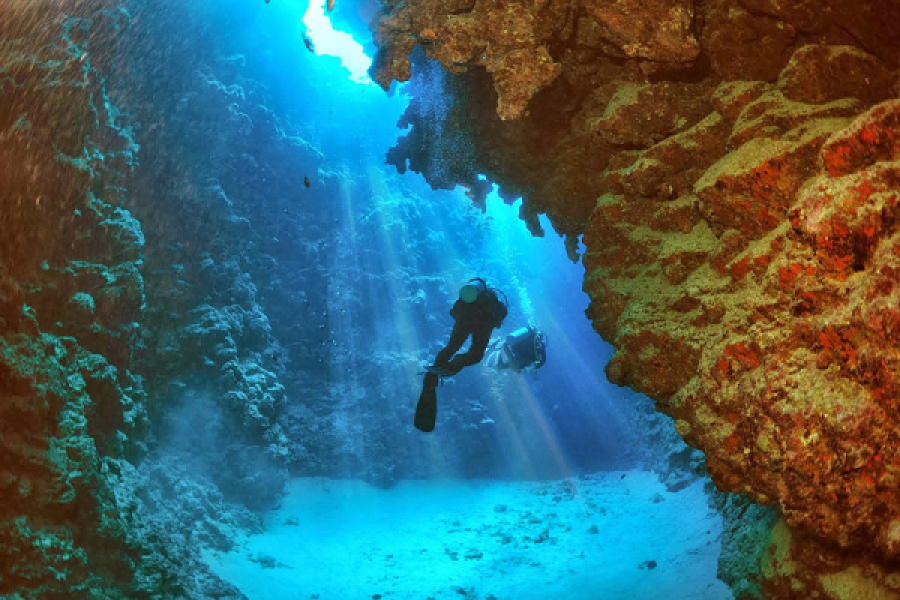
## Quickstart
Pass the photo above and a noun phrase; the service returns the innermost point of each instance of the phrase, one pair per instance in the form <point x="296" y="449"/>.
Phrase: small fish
<point x="329" y="5"/>
<point x="306" y="181"/>
<point x="309" y="45"/>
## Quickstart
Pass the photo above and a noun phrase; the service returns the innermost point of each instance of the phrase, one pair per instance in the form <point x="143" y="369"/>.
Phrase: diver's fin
<point x="426" y="410"/>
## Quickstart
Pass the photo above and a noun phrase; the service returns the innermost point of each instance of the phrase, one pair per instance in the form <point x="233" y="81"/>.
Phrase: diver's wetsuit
<point x="470" y="320"/>
<point x="478" y="319"/>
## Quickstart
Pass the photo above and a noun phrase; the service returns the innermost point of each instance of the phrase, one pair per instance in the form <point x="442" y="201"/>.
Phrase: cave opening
<point x="227" y="260"/>
<point x="526" y="474"/>
<point x="282" y="277"/>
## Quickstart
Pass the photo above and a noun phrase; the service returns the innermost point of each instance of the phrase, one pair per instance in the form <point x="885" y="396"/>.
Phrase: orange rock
<point x="670" y="168"/>
<point x="844" y="219"/>
<point x="874" y="136"/>
<point x="643" y="114"/>
<point x="658" y="30"/>
<point x="817" y="74"/>
<point x="771" y="115"/>
<point x="744" y="46"/>
<point x="752" y="187"/>
<point x="731" y="97"/>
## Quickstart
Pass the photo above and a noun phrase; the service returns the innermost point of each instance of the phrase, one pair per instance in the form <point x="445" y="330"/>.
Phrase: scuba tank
<point x="474" y="287"/>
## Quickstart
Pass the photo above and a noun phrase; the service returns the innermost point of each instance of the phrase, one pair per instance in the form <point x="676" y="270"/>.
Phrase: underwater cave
<point x="240" y="241"/>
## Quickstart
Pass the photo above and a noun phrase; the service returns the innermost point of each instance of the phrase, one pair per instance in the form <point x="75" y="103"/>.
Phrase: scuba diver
<point x="477" y="313"/>
<point x="525" y="349"/>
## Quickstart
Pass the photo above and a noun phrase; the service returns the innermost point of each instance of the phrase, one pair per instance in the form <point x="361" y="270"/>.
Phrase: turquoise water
<point x="299" y="277"/>
<point x="580" y="539"/>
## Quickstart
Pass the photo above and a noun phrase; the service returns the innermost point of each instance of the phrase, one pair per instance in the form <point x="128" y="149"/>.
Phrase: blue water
<point x="377" y="258"/>
<point x="434" y="234"/>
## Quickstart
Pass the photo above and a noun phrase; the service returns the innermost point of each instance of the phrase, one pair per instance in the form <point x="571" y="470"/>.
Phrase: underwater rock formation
<point x="70" y="296"/>
<point x="736" y="182"/>
<point x="220" y="186"/>
<point x="107" y="335"/>
<point x="74" y="410"/>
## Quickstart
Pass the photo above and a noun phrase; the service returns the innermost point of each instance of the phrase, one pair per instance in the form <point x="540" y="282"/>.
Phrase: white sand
<point x="345" y="540"/>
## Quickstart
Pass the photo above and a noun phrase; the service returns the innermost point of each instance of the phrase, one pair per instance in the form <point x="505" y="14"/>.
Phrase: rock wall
<point x="74" y="410"/>
<point x="208" y="351"/>
<point x="733" y="167"/>
<point x="141" y="381"/>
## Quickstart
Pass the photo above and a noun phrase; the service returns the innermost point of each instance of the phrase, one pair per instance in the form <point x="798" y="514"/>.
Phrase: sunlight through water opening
<point x="341" y="44"/>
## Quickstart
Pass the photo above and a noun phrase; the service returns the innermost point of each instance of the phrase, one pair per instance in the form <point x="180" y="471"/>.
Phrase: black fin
<point x="426" y="409"/>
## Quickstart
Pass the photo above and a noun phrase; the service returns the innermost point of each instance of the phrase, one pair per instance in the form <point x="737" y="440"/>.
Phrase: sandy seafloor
<point x="586" y="538"/>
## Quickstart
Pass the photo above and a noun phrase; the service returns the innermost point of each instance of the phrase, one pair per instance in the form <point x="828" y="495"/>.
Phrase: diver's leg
<point x="426" y="408"/>
<point x="457" y="339"/>
<point x="481" y="337"/>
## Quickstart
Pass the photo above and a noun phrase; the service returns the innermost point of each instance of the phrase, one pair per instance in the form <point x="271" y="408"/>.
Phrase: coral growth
<point x="70" y="297"/>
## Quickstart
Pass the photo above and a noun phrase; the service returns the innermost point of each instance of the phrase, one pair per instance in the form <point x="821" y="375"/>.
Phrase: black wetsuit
<point x="477" y="319"/>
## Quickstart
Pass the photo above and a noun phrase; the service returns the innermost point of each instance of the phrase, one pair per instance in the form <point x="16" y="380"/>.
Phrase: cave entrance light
<point x="331" y="42"/>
